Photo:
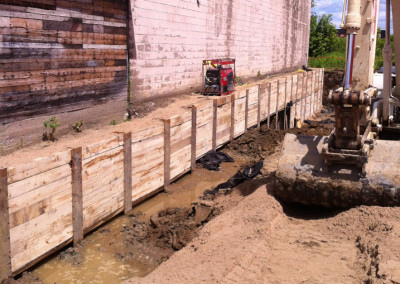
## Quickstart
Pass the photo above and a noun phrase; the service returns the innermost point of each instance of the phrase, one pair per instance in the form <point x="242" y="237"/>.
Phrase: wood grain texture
<point x="66" y="55"/>
<point x="259" y="107"/>
<point x="193" y="139"/>
<point x="77" y="201"/>
<point x="232" y="132"/>
<point x="214" y="133"/>
<point x="167" y="153"/>
<point x="127" y="172"/>
<point x="5" y="246"/>
<point x="269" y="104"/>
<point x="246" y="112"/>
<point x="277" y="105"/>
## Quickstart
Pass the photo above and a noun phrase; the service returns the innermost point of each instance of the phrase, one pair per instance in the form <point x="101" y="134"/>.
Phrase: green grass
<point x="330" y="61"/>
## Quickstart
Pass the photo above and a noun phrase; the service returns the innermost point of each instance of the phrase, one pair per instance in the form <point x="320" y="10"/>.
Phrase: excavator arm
<point x="351" y="166"/>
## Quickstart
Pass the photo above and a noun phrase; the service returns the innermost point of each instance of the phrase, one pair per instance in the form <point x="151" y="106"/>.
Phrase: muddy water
<point x="99" y="259"/>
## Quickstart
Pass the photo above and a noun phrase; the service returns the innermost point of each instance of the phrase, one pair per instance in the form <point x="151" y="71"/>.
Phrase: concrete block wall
<point x="169" y="40"/>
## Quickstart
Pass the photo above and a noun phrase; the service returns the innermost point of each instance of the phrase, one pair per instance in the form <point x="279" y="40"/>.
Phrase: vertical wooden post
<point x="316" y="87"/>
<point x="293" y="103"/>
<point x="312" y="94"/>
<point x="5" y="246"/>
<point x="259" y="107"/>
<point x="246" y="114"/>
<point x="77" y="203"/>
<point x="167" y="153"/>
<point x="284" y="107"/>
<point x="322" y="87"/>
<point x="269" y="104"/>
<point x="277" y="105"/>
<point x="214" y="133"/>
<point x="232" y="134"/>
<point x="193" y="139"/>
<point x="305" y="97"/>
<point x="296" y="99"/>
<point x="319" y="90"/>
<point x="301" y="99"/>
<point x="127" y="172"/>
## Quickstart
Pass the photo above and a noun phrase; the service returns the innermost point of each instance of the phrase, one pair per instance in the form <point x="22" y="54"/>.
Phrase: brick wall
<point x="170" y="38"/>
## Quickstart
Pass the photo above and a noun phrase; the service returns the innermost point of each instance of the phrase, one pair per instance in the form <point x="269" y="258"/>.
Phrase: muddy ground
<point x="172" y="229"/>
<point x="148" y="241"/>
<point x="247" y="235"/>
<point x="333" y="79"/>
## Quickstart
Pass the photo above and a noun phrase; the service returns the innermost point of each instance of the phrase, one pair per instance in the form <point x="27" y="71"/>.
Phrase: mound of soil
<point x="261" y="240"/>
<point x="260" y="143"/>
<point x="332" y="80"/>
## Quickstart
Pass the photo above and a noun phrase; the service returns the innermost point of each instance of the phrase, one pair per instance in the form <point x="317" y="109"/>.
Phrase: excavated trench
<point x="134" y="245"/>
<point x="364" y="238"/>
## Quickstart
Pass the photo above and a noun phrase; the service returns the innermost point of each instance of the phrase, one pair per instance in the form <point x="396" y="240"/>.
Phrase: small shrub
<point x="51" y="126"/>
<point x="77" y="126"/>
<point x="113" y="122"/>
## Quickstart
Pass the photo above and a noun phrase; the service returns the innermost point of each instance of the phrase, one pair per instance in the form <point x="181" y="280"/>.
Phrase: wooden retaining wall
<point x="54" y="200"/>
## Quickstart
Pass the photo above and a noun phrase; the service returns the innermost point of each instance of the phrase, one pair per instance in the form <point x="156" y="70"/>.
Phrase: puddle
<point x="100" y="262"/>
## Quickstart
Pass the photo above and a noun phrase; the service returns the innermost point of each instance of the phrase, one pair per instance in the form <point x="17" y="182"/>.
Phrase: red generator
<point x="218" y="80"/>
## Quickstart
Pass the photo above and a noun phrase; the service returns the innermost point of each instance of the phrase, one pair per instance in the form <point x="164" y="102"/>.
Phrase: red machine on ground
<point x="218" y="80"/>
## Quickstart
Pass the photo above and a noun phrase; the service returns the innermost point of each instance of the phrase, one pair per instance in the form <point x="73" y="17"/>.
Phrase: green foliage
<point x="50" y="128"/>
<point x="334" y="60"/>
<point x="77" y="126"/>
<point x="323" y="36"/>
<point x="113" y="122"/>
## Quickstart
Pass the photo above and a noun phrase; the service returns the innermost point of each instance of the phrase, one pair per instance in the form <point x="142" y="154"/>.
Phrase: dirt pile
<point x="376" y="234"/>
<point x="257" y="144"/>
<point x="263" y="241"/>
<point x="166" y="232"/>
<point x="333" y="79"/>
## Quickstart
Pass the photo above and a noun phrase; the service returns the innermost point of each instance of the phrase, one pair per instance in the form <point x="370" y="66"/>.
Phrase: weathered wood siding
<point x="60" y="55"/>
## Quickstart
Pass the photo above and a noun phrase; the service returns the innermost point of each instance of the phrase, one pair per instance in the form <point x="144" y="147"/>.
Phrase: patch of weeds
<point x="113" y="122"/>
<point x="50" y="128"/>
<point x="238" y="81"/>
<point x="77" y="126"/>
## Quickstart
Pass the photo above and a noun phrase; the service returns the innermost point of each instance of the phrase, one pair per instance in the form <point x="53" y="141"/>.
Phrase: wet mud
<point x="135" y="245"/>
<point x="257" y="144"/>
<point x="168" y="231"/>
<point x="333" y="79"/>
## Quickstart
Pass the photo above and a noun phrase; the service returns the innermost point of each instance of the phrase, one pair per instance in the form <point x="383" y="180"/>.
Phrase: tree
<point x="323" y="35"/>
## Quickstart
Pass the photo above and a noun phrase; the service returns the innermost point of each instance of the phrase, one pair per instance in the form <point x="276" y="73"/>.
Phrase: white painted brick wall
<point x="173" y="37"/>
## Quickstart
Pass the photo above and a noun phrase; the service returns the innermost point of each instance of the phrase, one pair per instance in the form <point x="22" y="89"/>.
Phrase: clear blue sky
<point x="335" y="7"/>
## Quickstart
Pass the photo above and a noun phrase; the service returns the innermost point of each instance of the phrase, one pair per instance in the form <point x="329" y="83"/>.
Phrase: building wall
<point x="171" y="38"/>
<point x="60" y="56"/>
<point x="66" y="58"/>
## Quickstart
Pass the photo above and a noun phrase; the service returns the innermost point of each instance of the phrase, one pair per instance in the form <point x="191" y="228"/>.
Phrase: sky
<point x="335" y="7"/>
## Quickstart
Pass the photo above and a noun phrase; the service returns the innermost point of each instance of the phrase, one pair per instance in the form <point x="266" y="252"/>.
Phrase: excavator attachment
<point x="303" y="176"/>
